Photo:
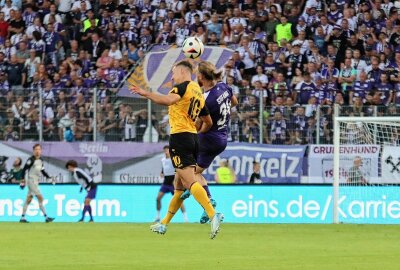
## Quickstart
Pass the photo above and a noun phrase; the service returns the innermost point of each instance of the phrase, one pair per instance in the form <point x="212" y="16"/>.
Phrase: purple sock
<point x="89" y="209"/>
<point x="84" y="211"/>
<point x="208" y="191"/>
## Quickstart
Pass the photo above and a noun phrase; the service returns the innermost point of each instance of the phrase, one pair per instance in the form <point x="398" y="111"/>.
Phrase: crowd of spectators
<point x="291" y="58"/>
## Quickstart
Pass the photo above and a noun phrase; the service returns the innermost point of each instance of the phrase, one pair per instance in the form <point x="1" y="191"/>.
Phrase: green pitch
<point x="187" y="246"/>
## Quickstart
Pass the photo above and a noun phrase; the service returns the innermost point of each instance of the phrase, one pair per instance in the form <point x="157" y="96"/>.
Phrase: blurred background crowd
<point x="292" y="61"/>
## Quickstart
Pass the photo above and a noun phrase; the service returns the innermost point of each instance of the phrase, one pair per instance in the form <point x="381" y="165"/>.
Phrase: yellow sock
<point x="201" y="197"/>
<point x="173" y="207"/>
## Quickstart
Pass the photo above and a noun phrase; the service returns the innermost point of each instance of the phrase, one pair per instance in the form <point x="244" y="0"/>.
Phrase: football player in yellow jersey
<point x="186" y="103"/>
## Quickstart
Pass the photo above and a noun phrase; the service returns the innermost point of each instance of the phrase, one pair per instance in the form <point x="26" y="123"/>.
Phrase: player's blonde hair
<point x="209" y="71"/>
<point x="186" y="64"/>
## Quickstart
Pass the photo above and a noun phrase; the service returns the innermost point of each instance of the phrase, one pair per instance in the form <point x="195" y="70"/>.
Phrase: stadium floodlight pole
<point x="338" y="120"/>
<point x="94" y="114"/>
<point x="40" y="91"/>
<point x="261" y="118"/>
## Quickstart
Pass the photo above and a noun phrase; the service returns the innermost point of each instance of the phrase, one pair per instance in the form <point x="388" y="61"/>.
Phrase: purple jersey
<point x="385" y="89"/>
<point x="361" y="89"/>
<point x="397" y="94"/>
<point x="213" y="142"/>
<point x="218" y="102"/>
<point x="335" y="15"/>
<point x="305" y="91"/>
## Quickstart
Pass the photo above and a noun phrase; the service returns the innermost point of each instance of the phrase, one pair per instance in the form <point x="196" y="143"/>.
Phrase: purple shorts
<point x="91" y="193"/>
<point x="210" y="147"/>
<point x="167" y="188"/>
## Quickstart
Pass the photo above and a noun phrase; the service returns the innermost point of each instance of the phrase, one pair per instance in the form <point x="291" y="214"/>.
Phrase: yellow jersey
<point x="283" y="31"/>
<point x="183" y="114"/>
<point x="225" y="175"/>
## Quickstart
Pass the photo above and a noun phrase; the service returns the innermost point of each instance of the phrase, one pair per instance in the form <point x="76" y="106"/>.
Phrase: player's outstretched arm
<point x="166" y="100"/>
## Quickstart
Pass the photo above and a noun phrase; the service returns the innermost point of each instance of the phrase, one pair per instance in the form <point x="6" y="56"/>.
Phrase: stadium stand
<point x="292" y="61"/>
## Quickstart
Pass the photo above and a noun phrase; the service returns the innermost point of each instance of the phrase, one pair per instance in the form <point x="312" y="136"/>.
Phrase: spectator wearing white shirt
<point x="37" y="26"/>
<point x="326" y="27"/>
<point x="230" y="82"/>
<point x="260" y="76"/>
<point x="352" y="20"/>
<point x="175" y="6"/>
<point x="66" y="122"/>
<point x="237" y="19"/>
<point x="115" y="52"/>
<point x="7" y="8"/>
<point x="247" y="56"/>
<point x="359" y="64"/>
<point x="189" y="16"/>
<point x="260" y="92"/>
<point x="160" y="13"/>
<point x="53" y="11"/>
<point x="77" y="5"/>
<point x="312" y="4"/>
<point x="64" y="6"/>
<point x="17" y="3"/>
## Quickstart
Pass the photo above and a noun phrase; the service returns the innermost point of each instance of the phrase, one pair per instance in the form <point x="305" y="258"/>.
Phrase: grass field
<point x="187" y="246"/>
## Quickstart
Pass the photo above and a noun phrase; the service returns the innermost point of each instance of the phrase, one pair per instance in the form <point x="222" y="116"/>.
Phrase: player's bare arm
<point x="166" y="100"/>
<point x="234" y="101"/>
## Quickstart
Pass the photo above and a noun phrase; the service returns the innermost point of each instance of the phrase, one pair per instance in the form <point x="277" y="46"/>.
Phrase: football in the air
<point x="192" y="47"/>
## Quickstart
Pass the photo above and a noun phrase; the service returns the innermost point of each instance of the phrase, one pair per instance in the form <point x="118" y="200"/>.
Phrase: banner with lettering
<point x="278" y="163"/>
<point x="320" y="162"/>
<point x="108" y="162"/>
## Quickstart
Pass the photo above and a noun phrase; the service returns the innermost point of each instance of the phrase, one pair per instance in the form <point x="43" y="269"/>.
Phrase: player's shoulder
<point x="30" y="160"/>
<point x="224" y="86"/>
<point x="180" y="89"/>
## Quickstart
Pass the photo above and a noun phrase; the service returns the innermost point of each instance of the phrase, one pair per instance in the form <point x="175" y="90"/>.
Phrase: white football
<point x="192" y="47"/>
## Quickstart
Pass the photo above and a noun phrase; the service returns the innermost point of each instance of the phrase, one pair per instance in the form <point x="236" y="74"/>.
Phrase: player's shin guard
<point x="200" y="195"/>
<point x="173" y="207"/>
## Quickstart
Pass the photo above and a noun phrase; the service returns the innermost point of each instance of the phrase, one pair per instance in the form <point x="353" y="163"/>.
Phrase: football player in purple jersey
<point x="219" y="101"/>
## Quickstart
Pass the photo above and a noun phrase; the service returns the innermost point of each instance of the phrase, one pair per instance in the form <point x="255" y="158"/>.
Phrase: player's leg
<point x="188" y="179"/>
<point x="183" y="209"/>
<point x="28" y="200"/>
<point x="89" y="197"/>
<point x="86" y="209"/>
<point x="200" y="195"/>
<point x="200" y="178"/>
<point x="160" y="195"/>
<point x="174" y="205"/>
<point x="175" y="202"/>
<point x="39" y="196"/>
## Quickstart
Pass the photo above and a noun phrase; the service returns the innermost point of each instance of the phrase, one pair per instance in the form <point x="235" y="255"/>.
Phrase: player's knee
<point x="188" y="185"/>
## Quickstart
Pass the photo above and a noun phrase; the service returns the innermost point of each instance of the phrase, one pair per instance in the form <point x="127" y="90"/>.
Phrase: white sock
<point x="185" y="218"/>
<point x="158" y="214"/>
